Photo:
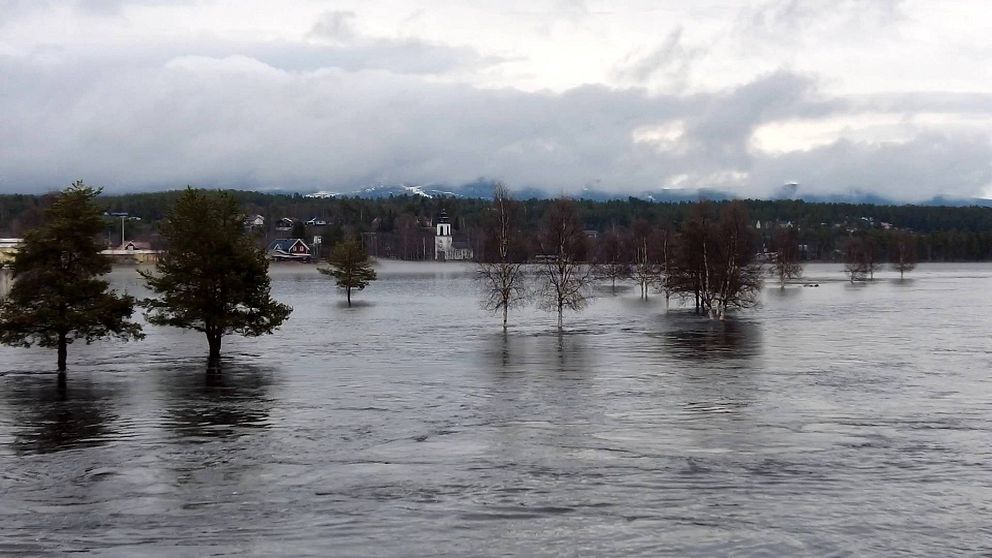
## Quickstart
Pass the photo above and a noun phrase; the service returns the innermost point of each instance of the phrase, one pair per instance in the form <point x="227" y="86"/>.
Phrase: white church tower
<point x="442" y="238"/>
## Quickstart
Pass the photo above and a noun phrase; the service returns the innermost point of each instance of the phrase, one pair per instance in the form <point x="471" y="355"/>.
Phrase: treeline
<point x="400" y="225"/>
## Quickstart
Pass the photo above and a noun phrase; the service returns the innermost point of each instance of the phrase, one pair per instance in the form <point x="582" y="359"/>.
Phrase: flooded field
<point x="832" y="420"/>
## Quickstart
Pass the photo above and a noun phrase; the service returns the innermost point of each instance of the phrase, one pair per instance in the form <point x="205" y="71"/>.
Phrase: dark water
<point x="831" y="421"/>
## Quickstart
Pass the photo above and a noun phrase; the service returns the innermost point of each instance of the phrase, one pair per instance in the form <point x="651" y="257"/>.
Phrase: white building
<point x="446" y="248"/>
<point x="8" y="247"/>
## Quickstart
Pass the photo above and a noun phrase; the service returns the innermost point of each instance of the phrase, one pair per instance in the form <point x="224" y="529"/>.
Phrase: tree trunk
<point x="504" y="315"/>
<point x="63" y="349"/>
<point x="348" y="290"/>
<point x="214" y="340"/>
<point x="560" y="310"/>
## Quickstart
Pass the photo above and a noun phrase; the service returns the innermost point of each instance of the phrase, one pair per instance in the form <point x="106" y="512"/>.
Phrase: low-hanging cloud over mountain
<point x="345" y="103"/>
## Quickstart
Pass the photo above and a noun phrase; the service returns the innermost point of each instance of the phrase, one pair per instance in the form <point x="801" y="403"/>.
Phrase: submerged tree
<point x="57" y="296"/>
<point x="739" y="277"/>
<point x="904" y="258"/>
<point x="646" y="270"/>
<point x="714" y="262"/>
<point x="859" y="259"/>
<point x="213" y="278"/>
<point x="785" y="262"/>
<point x="350" y="266"/>
<point x="501" y="269"/>
<point x="563" y="278"/>
<point x="613" y="258"/>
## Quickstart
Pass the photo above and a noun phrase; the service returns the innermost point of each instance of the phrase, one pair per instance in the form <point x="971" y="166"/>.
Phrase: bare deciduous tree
<point x="859" y="259"/>
<point x="785" y="262"/>
<point x="501" y="269"/>
<point x="668" y="248"/>
<point x="905" y="253"/>
<point x="613" y="258"/>
<point x="563" y="278"/>
<point x="646" y="270"/>
<point x="739" y="276"/>
<point x="714" y="262"/>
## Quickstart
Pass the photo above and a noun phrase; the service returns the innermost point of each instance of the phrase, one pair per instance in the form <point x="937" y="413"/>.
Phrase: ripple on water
<point x="829" y="422"/>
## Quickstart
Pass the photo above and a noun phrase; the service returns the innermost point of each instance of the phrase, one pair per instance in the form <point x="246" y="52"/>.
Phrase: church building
<point x="446" y="246"/>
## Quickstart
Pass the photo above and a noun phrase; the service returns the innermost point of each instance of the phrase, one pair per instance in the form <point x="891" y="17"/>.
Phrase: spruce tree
<point x="350" y="266"/>
<point x="58" y="296"/>
<point x="213" y="277"/>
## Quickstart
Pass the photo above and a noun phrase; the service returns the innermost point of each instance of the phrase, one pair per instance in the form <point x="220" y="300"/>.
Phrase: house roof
<point x="136" y="245"/>
<point x="286" y="244"/>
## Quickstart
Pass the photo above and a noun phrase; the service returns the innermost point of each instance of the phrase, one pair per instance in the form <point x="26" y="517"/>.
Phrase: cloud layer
<point x="341" y="98"/>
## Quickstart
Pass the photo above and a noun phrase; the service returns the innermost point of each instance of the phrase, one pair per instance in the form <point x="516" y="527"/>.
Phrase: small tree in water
<point x="613" y="259"/>
<point x="57" y="296"/>
<point x="213" y="278"/>
<point x="563" y="278"/>
<point x="646" y="270"/>
<point x="785" y="262"/>
<point x="350" y="266"/>
<point x="501" y="270"/>
<point x="859" y="259"/>
<point x="905" y="253"/>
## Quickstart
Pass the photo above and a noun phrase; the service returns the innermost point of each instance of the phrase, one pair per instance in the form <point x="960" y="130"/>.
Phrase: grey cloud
<point x="403" y="56"/>
<point x="236" y="121"/>
<point x="336" y="26"/>
<point x="341" y="45"/>
<point x="671" y="59"/>
<point x="786" y="21"/>
<point x="935" y="101"/>
<point x="955" y="165"/>
<point x="13" y="9"/>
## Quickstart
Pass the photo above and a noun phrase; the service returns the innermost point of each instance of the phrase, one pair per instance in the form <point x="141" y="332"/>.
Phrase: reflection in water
<point x="216" y="403"/>
<point x="782" y="294"/>
<point x="538" y="354"/>
<point x="698" y="338"/>
<point x="47" y="418"/>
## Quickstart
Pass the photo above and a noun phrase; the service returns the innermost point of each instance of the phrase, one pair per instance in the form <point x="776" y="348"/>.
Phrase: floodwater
<point x="832" y="421"/>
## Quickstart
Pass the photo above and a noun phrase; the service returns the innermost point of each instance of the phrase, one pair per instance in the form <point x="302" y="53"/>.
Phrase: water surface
<point x="833" y="420"/>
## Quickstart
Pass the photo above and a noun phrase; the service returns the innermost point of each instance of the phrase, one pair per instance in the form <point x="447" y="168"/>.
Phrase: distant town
<point x="439" y="228"/>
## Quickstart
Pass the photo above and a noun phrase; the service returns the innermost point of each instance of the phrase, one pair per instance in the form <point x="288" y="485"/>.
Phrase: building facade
<point x="446" y="246"/>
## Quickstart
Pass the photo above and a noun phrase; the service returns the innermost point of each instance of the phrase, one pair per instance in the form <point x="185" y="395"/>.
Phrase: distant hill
<point x="482" y="189"/>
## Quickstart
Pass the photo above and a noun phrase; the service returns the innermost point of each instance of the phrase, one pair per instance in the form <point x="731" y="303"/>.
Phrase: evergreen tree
<point x="58" y="296"/>
<point x="213" y="278"/>
<point x="350" y="266"/>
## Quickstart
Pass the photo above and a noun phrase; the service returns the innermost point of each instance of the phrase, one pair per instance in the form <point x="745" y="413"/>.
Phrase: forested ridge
<point x="942" y="233"/>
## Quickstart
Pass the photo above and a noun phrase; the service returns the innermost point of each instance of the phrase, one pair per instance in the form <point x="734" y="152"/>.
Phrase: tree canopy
<point x="58" y="295"/>
<point x="214" y="277"/>
<point x="350" y="266"/>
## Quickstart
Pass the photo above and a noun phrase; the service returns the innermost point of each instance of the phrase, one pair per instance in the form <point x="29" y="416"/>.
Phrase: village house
<point x="254" y="221"/>
<point x="132" y="252"/>
<point x="284" y="224"/>
<point x="8" y="247"/>
<point x="289" y="249"/>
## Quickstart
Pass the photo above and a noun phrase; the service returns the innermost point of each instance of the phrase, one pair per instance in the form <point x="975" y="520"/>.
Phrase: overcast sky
<point x="882" y="96"/>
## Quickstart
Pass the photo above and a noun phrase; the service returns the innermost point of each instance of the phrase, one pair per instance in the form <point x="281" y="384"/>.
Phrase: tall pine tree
<point x="213" y="277"/>
<point x="58" y="295"/>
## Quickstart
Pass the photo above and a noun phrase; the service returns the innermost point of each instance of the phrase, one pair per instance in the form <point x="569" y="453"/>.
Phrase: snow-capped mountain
<point x="483" y="189"/>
